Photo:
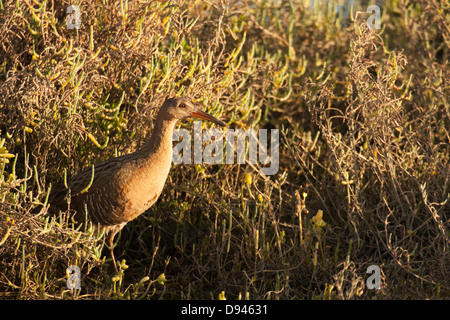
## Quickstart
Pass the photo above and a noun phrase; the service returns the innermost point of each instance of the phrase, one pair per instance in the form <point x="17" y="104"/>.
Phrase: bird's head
<point x="179" y="108"/>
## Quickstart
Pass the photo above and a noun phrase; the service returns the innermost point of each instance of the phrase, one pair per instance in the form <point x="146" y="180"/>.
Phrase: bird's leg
<point x="110" y="245"/>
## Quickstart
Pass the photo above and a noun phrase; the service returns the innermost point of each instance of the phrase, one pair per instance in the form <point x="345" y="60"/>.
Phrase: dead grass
<point x="364" y="119"/>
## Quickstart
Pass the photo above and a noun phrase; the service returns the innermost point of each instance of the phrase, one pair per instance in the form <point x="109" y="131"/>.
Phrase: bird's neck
<point x="147" y="173"/>
<point x="159" y="146"/>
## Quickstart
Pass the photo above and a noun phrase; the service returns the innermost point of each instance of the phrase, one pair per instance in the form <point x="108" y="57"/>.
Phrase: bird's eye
<point x="182" y="105"/>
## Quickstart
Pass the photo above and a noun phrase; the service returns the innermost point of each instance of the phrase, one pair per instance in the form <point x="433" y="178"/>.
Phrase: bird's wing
<point x="86" y="181"/>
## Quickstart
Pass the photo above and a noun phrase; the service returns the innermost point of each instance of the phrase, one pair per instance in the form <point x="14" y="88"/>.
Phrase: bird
<point x="116" y="191"/>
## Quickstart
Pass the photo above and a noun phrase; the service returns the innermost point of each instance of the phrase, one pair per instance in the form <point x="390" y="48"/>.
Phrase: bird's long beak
<point x="206" y="116"/>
